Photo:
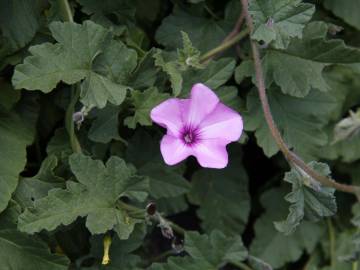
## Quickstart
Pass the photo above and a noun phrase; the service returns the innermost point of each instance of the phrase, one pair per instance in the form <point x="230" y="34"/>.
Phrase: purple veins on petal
<point x="200" y="126"/>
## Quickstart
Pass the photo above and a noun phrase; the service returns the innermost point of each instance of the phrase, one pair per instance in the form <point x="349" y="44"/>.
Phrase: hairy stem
<point x="66" y="10"/>
<point x="225" y="45"/>
<point x="69" y="123"/>
<point x="75" y="91"/>
<point x="289" y="155"/>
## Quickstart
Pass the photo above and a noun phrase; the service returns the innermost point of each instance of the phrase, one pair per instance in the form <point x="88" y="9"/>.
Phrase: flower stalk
<point x="107" y="243"/>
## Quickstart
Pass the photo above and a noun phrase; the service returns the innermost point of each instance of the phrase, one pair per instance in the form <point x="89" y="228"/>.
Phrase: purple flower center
<point x="190" y="135"/>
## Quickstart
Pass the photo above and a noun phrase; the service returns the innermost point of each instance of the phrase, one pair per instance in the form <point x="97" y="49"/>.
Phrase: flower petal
<point x="211" y="153"/>
<point x="222" y="123"/>
<point x="202" y="102"/>
<point x="174" y="150"/>
<point x="168" y="114"/>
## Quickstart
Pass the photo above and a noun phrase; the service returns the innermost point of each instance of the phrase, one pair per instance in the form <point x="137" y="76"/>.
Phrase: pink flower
<point x="200" y="126"/>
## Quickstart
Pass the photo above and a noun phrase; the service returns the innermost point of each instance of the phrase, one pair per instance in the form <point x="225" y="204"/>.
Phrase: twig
<point x="289" y="155"/>
<point x="225" y="45"/>
<point x="237" y="27"/>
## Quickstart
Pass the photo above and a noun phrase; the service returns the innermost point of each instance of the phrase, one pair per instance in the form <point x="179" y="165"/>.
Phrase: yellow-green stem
<point x="69" y="123"/>
<point x="225" y="45"/>
<point x="66" y="10"/>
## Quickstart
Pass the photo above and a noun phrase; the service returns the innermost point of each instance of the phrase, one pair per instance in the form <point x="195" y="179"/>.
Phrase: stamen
<point x="190" y="135"/>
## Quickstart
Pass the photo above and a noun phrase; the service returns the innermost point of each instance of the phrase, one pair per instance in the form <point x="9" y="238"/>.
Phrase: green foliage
<point x="21" y="251"/>
<point x="273" y="246"/>
<point x="81" y="170"/>
<point x="207" y="252"/>
<point x="15" y="136"/>
<point x="143" y="102"/>
<point x="308" y="198"/>
<point x="143" y="151"/>
<point x="278" y="21"/>
<point x="310" y="55"/>
<point x="82" y="52"/>
<point x="346" y="10"/>
<point x="220" y="195"/>
<point x="300" y="120"/>
<point x="106" y="184"/>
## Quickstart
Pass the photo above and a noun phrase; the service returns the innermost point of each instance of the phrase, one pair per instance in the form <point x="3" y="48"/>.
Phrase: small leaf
<point x="188" y="56"/>
<point x="143" y="103"/>
<point x="274" y="247"/>
<point x="278" y="21"/>
<point x="309" y="200"/>
<point x="172" y="69"/>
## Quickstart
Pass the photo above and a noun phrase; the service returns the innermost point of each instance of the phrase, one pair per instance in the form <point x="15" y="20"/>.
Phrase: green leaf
<point x="172" y="69"/>
<point x="15" y="137"/>
<point x="300" y="67"/>
<point x="95" y="197"/>
<point x="278" y="21"/>
<point x="274" y="247"/>
<point x="145" y="74"/>
<point x="8" y="97"/>
<point x="59" y="144"/>
<point x="348" y="10"/>
<point x="301" y="121"/>
<point x="82" y="52"/>
<point x="19" y="21"/>
<point x="207" y="252"/>
<point x="38" y="186"/>
<point x="308" y="198"/>
<point x="222" y="196"/>
<point x="105" y="127"/>
<point x="350" y="249"/>
<point x="143" y="103"/>
<point x="189" y="56"/>
<point x="229" y="96"/>
<point x="165" y="181"/>
<point x="110" y="14"/>
<point x="20" y="251"/>
<point x="214" y="75"/>
<point x="204" y="33"/>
